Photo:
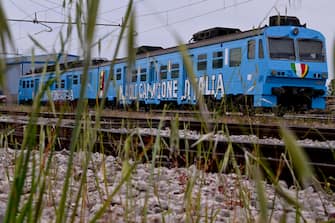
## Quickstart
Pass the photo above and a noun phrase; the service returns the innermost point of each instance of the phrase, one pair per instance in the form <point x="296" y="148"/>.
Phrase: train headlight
<point x="324" y="75"/>
<point x="273" y="73"/>
<point x="295" y="31"/>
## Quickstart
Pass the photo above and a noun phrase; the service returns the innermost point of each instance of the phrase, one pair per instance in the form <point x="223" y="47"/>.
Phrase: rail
<point x="331" y="104"/>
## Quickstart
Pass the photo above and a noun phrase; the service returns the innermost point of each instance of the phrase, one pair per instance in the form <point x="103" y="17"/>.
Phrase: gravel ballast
<point x="161" y="194"/>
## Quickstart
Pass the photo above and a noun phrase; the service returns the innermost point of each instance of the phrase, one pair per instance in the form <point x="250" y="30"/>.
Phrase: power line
<point x="172" y="9"/>
<point x="199" y="15"/>
<point x="20" y="9"/>
<point x="121" y="7"/>
<point x="35" y="21"/>
<point x="105" y="36"/>
<point x="46" y="8"/>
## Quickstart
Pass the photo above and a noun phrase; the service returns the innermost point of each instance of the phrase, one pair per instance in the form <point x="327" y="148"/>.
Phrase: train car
<point x="280" y="65"/>
<point x="65" y="86"/>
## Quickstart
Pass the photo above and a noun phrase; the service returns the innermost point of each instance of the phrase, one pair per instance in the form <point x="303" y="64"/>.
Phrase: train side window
<point x="251" y="49"/>
<point x="75" y="79"/>
<point x="163" y="72"/>
<point x="27" y="84"/>
<point x="235" y="57"/>
<point x="143" y="74"/>
<point x="202" y="62"/>
<point x="217" y="60"/>
<point x="62" y="84"/>
<point x="23" y="84"/>
<point x="32" y="83"/>
<point x="118" y="74"/>
<point x="134" y="75"/>
<point x="260" y="49"/>
<point x="175" y="70"/>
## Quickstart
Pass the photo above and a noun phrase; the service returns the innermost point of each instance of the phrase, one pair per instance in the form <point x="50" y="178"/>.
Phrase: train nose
<point x="278" y="91"/>
<point x="318" y="92"/>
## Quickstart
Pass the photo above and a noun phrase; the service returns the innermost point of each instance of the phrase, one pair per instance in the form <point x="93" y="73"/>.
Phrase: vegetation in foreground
<point x="21" y="208"/>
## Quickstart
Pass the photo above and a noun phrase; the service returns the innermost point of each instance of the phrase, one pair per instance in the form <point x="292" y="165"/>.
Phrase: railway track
<point x="115" y="128"/>
<point x="314" y="127"/>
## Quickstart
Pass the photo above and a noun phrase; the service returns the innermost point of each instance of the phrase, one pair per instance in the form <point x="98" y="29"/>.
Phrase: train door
<point x="250" y="69"/>
<point x="102" y="82"/>
<point x="76" y="86"/>
<point x="110" y="80"/>
<point x="152" y="82"/>
<point x="233" y="78"/>
<point x="69" y="82"/>
<point x="69" y="85"/>
<point x="36" y="86"/>
<point x="125" y="82"/>
<point x="187" y="90"/>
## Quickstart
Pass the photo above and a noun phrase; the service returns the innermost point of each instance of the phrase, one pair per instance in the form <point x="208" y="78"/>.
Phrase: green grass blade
<point x="298" y="157"/>
<point x="92" y="10"/>
<point x="261" y="196"/>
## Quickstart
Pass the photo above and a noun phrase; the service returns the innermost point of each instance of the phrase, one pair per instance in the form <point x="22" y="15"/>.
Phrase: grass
<point x="36" y="174"/>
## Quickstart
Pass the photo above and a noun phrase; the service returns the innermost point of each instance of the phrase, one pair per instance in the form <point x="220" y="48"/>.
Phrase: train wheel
<point x="279" y="111"/>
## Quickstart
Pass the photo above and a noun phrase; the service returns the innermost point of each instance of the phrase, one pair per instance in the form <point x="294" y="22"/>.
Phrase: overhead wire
<point x="20" y="9"/>
<point x="172" y="9"/>
<point x="268" y="12"/>
<point x="58" y="22"/>
<point x="48" y="8"/>
<point x="118" y="8"/>
<point x="55" y="3"/>
<point x="106" y="35"/>
<point x="198" y="16"/>
<point x="103" y="37"/>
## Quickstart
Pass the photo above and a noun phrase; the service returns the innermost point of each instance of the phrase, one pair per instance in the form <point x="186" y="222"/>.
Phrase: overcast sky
<point x="158" y="19"/>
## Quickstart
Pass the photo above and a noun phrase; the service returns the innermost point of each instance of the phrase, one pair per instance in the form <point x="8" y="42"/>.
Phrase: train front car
<point x="295" y="66"/>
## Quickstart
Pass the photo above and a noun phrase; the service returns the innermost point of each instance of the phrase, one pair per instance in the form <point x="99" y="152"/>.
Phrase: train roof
<point x="218" y="39"/>
<point x="202" y="38"/>
<point x="219" y="35"/>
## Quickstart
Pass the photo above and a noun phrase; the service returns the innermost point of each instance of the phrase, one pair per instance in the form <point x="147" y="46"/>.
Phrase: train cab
<point x="296" y="70"/>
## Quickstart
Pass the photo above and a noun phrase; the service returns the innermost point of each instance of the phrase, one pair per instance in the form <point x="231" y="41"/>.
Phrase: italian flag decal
<point x="299" y="69"/>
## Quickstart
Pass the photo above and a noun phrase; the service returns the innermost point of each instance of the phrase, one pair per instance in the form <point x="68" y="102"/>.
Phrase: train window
<point x="23" y="84"/>
<point x="27" y="84"/>
<point x="217" y="60"/>
<point x="260" y="49"/>
<point x="281" y="48"/>
<point x="62" y="84"/>
<point x="32" y="83"/>
<point x="235" y="57"/>
<point x="143" y="74"/>
<point x="175" y="70"/>
<point x="251" y="49"/>
<point x="163" y="72"/>
<point x="134" y="75"/>
<point x="202" y="62"/>
<point x="310" y="50"/>
<point x="75" y="79"/>
<point x="118" y="74"/>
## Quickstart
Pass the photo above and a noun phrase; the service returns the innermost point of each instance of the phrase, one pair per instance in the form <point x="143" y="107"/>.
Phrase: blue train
<point x="282" y="64"/>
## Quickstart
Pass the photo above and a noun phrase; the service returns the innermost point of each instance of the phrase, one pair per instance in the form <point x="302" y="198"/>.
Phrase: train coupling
<point x="297" y="91"/>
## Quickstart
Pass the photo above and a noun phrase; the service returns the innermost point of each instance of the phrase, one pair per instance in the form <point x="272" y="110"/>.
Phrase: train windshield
<point x="310" y="50"/>
<point x="281" y="48"/>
